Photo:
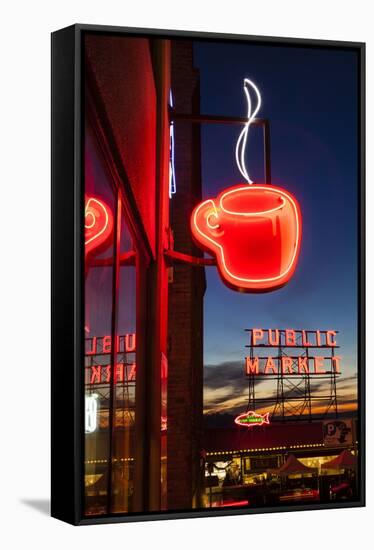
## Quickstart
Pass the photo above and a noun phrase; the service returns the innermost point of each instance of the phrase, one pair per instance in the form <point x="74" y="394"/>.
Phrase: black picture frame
<point x="68" y="281"/>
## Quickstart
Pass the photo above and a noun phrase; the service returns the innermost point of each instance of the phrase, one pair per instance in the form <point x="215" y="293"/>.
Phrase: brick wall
<point x="185" y="353"/>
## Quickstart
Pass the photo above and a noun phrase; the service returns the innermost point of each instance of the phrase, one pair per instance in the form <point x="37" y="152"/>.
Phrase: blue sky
<point x="310" y="98"/>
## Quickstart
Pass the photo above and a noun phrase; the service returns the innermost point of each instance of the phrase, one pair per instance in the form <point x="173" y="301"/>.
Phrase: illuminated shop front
<point x="280" y="464"/>
<point x="290" y="445"/>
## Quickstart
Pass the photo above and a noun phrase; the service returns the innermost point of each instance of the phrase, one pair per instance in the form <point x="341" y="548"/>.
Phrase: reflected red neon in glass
<point x="98" y="224"/>
<point x="230" y="504"/>
<point x="255" y="233"/>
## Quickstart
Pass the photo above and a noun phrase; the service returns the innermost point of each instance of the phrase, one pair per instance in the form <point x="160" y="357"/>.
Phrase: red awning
<point x="346" y="460"/>
<point x="293" y="466"/>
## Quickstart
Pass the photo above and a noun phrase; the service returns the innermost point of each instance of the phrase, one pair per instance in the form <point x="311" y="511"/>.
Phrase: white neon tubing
<point x="172" y="183"/>
<point x="91" y="406"/>
<point x="243" y="136"/>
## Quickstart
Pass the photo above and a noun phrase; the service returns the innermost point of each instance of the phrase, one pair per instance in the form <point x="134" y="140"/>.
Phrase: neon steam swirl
<point x="242" y="139"/>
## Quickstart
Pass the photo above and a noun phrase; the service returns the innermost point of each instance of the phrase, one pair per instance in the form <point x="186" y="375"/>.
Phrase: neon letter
<point x="131" y="375"/>
<point x="130" y="342"/>
<point x="95" y="374"/>
<point x="270" y="365"/>
<point x="275" y="341"/>
<point x="305" y="339"/>
<point x="290" y="337"/>
<point x="287" y="365"/>
<point x="251" y="365"/>
<point x="107" y="344"/>
<point x="257" y="334"/>
<point x="330" y="338"/>
<point x="318" y="362"/>
<point x="302" y="365"/>
<point x="336" y="363"/>
<point x="118" y="373"/>
<point x="92" y="351"/>
<point x="108" y="372"/>
<point x="318" y="338"/>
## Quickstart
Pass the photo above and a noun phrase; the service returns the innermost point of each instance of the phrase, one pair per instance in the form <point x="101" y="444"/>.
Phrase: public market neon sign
<point x="287" y="364"/>
<point x="253" y="230"/>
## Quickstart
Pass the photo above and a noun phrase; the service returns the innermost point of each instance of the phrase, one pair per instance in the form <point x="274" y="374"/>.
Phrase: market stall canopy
<point x="346" y="460"/>
<point x="293" y="466"/>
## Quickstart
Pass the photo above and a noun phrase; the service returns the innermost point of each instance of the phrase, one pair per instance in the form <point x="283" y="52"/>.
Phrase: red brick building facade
<point x="186" y="293"/>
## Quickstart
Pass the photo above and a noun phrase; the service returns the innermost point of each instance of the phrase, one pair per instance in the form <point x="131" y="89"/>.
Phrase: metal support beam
<point x="214" y="119"/>
<point x="180" y="257"/>
<point x="126" y="258"/>
<point x="267" y="160"/>
<point x="221" y="119"/>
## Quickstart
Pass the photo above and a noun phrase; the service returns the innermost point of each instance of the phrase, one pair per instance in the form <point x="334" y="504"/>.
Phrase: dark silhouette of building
<point x="186" y="293"/>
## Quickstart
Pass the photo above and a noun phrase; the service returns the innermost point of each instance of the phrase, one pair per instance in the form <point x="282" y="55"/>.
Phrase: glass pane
<point x="110" y="316"/>
<point x="124" y="402"/>
<point x="99" y="249"/>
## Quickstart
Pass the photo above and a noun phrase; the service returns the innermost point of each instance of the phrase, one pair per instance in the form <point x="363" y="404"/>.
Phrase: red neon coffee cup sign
<point x="253" y="230"/>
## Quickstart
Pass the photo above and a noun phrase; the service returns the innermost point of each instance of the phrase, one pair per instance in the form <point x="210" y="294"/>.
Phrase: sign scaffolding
<point x="304" y="368"/>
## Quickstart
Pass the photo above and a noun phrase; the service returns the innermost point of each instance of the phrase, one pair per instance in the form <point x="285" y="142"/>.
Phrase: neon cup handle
<point x="206" y="223"/>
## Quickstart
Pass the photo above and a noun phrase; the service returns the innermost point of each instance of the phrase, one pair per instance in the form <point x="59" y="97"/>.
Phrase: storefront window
<point x="110" y="341"/>
<point x="124" y="398"/>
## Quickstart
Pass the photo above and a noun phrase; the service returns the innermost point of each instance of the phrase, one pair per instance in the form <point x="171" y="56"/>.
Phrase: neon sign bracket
<point x="179" y="257"/>
<point x="220" y="119"/>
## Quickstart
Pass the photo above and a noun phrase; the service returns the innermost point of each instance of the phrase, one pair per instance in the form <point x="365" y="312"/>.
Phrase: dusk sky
<point x="310" y="98"/>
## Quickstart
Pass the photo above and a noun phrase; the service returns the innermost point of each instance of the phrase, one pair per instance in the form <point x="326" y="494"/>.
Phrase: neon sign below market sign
<point x="251" y="419"/>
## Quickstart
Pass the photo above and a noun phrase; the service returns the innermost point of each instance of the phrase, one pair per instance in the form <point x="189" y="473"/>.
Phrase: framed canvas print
<point x="207" y="274"/>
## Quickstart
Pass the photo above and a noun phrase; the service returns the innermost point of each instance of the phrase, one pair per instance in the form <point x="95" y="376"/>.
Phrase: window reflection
<point x="110" y="342"/>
